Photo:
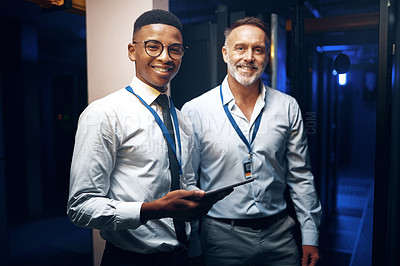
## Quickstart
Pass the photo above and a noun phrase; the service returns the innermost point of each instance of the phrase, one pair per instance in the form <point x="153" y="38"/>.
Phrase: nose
<point x="249" y="56"/>
<point x="164" y="56"/>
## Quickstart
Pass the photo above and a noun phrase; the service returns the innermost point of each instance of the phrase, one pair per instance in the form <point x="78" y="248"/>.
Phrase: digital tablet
<point x="224" y="191"/>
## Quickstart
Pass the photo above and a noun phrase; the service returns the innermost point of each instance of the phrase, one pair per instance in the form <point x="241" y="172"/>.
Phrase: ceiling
<point x="362" y="46"/>
<point x="205" y="10"/>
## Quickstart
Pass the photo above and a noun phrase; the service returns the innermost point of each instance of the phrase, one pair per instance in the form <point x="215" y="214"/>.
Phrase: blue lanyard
<point x="236" y="127"/>
<point x="162" y="126"/>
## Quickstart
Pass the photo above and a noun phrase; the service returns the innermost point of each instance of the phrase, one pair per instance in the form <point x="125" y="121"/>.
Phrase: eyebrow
<point x="240" y="44"/>
<point x="261" y="44"/>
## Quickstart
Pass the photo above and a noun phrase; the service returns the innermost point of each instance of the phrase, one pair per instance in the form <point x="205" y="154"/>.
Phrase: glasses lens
<point x="176" y="50"/>
<point x="153" y="48"/>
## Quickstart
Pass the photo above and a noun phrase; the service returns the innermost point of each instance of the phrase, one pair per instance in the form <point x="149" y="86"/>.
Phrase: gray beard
<point x="243" y="79"/>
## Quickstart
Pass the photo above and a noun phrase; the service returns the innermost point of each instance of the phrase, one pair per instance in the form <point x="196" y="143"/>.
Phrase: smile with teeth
<point x="161" y="69"/>
<point x="246" y="68"/>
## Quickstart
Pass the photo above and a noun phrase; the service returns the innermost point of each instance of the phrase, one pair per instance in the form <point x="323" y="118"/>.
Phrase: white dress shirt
<point x="279" y="157"/>
<point x="120" y="160"/>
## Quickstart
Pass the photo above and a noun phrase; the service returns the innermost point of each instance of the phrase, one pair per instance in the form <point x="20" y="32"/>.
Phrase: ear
<point x="131" y="52"/>
<point x="225" y="54"/>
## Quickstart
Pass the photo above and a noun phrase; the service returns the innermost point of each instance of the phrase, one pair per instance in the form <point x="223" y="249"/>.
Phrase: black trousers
<point x="114" y="256"/>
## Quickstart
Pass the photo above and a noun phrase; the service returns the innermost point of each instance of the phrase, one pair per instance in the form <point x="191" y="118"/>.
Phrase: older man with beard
<point x="244" y="129"/>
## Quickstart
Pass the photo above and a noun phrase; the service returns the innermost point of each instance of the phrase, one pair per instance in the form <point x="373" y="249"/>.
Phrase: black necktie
<point x="162" y="100"/>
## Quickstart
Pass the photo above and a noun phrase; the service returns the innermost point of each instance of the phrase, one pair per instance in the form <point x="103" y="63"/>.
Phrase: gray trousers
<point x="224" y="244"/>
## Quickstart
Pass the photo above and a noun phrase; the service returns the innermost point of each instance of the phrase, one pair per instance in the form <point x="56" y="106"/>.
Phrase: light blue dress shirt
<point x="279" y="157"/>
<point x="120" y="160"/>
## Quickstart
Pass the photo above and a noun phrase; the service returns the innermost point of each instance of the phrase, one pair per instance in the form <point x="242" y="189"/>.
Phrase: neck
<point x="245" y="96"/>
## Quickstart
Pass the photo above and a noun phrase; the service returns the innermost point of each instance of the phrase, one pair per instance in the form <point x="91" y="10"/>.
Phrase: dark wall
<point x="13" y="118"/>
<point x="198" y="70"/>
<point x="43" y="88"/>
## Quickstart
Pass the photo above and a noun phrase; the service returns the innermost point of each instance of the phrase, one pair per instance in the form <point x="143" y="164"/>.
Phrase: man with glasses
<point x="131" y="173"/>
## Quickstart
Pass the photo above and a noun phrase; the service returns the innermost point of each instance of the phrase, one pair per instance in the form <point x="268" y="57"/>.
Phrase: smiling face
<point x="155" y="71"/>
<point x="246" y="54"/>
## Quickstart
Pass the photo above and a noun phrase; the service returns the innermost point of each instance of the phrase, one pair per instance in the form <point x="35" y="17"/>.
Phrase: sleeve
<point x="187" y="140"/>
<point x="192" y="116"/>
<point x="93" y="161"/>
<point x="300" y="179"/>
<point x="195" y="245"/>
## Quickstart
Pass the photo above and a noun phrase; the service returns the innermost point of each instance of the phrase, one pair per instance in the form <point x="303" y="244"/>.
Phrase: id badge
<point x="247" y="167"/>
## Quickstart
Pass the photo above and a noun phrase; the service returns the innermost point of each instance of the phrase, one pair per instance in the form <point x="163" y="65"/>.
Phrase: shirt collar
<point x="145" y="91"/>
<point x="260" y="103"/>
<point x="230" y="100"/>
<point x="226" y="92"/>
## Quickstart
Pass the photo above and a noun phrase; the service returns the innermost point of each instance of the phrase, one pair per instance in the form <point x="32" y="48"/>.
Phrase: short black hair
<point x="157" y="16"/>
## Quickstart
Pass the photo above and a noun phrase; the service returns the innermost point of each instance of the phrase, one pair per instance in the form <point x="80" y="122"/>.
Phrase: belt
<point x="256" y="223"/>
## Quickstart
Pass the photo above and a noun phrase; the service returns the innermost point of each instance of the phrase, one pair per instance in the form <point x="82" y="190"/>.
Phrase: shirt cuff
<point x="310" y="238"/>
<point x="128" y="215"/>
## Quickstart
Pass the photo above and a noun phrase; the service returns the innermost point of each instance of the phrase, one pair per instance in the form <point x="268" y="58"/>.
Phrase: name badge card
<point x="247" y="166"/>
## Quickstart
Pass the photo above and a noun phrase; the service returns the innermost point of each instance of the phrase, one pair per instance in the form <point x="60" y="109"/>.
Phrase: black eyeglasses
<point x="154" y="48"/>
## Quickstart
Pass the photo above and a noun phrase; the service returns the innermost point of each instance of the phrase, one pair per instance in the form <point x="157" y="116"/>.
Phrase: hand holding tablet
<point x="220" y="193"/>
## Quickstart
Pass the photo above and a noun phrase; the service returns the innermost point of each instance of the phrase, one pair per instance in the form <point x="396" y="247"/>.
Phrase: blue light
<point x="342" y="79"/>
